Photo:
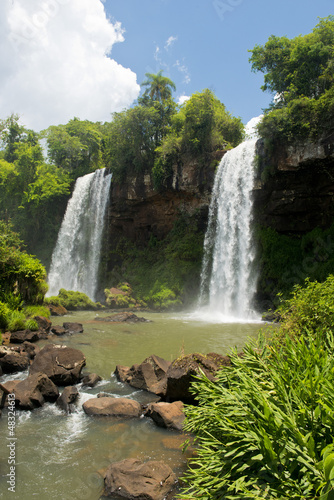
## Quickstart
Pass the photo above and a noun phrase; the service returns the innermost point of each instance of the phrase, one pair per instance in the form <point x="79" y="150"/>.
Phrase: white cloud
<point x="183" y="98"/>
<point x="54" y="64"/>
<point x="170" y="41"/>
<point x="184" y="70"/>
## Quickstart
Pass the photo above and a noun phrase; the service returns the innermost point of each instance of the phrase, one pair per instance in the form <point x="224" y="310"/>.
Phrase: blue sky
<point x="212" y="39"/>
<point x="86" y="58"/>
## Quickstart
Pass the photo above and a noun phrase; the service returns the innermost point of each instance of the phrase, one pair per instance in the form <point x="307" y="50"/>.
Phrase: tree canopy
<point x="300" y="73"/>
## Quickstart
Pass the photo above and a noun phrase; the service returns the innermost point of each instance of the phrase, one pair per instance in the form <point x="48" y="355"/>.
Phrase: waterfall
<point x="228" y="278"/>
<point x="76" y="257"/>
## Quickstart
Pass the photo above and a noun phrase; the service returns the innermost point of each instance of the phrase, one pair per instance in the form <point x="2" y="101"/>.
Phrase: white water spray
<point x="76" y="257"/>
<point x="228" y="279"/>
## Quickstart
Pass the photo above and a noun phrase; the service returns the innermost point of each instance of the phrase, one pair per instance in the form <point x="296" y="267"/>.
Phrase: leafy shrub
<point x="31" y="324"/>
<point x="162" y="297"/>
<point x="31" y="311"/>
<point x="16" y="321"/>
<point x="73" y="301"/>
<point x="264" y="429"/>
<point x="4" y="316"/>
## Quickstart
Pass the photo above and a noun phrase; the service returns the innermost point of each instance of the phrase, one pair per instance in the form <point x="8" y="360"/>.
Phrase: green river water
<point x="61" y="456"/>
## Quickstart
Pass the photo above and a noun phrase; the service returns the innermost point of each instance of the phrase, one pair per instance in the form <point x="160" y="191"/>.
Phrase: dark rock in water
<point x="150" y="375"/>
<point x="58" y="330"/>
<point x="13" y="361"/>
<point x="68" y="396"/>
<point x="133" y="479"/>
<point x="30" y="349"/>
<point x="57" y="310"/>
<point x="24" y="335"/>
<point x="114" y="407"/>
<point x="124" y="317"/>
<point x="34" y="391"/>
<point x="181" y="372"/>
<point x="169" y="415"/>
<point x="73" y="327"/>
<point x="61" y="364"/>
<point x="91" y="380"/>
<point x="43" y="323"/>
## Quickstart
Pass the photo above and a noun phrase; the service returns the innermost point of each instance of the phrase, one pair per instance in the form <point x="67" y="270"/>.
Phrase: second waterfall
<point x="228" y="280"/>
<point x="76" y="257"/>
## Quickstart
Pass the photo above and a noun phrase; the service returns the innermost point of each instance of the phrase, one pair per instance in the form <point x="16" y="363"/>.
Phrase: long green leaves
<point x="262" y="428"/>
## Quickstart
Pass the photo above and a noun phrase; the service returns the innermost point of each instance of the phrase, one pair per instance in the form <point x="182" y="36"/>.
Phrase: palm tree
<point x="159" y="87"/>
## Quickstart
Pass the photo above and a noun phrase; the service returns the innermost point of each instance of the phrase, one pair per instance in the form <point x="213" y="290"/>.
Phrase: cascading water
<point x="228" y="278"/>
<point x="76" y="257"/>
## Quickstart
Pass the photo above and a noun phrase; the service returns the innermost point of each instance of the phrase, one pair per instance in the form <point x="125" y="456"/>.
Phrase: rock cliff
<point x="294" y="190"/>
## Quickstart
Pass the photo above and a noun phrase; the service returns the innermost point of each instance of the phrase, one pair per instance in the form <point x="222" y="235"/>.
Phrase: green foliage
<point x="300" y="73"/>
<point x="75" y="147"/>
<point x="310" y="309"/>
<point x="264" y="428"/>
<point x="31" y="311"/>
<point x="4" y="315"/>
<point x="16" y="321"/>
<point x="21" y="274"/>
<point x="73" y="301"/>
<point x="285" y="261"/>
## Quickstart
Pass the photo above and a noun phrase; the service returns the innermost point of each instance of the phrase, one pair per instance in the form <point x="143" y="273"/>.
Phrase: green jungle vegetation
<point x="264" y="428"/>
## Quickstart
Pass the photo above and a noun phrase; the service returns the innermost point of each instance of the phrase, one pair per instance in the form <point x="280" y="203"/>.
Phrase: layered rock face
<point x="295" y="187"/>
<point x="138" y="211"/>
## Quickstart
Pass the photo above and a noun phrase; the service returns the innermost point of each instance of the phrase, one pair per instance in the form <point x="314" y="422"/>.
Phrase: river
<point x="61" y="456"/>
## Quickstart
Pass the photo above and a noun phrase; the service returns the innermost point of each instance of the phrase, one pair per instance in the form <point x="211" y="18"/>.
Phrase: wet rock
<point x="67" y="398"/>
<point x="61" y="364"/>
<point x="73" y="327"/>
<point x="116" y="407"/>
<point x="58" y="330"/>
<point x="24" y="336"/>
<point x="34" y="391"/>
<point x="169" y="415"/>
<point x="124" y="317"/>
<point x="57" y="310"/>
<point x="14" y="361"/>
<point x="91" y="380"/>
<point x="182" y="371"/>
<point x="150" y="375"/>
<point x="133" y="479"/>
<point x="30" y="349"/>
<point x="43" y="323"/>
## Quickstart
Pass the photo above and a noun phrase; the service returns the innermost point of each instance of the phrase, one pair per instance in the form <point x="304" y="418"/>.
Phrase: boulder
<point x="181" y="373"/>
<point x="34" y="391"/>
<point x="124" y="317"/>
<point x="24" y="336"/>
<point x="61" y="364"/>
<point x="58" y="330"/>
<point x="91" y="380"/>
<point x="14" y="361"/>
<point x="68" y="396"/>
<point x="150" y="375"/>
<point x="57" y="310"/>
<point x="133" y="479"/>
<point x="115" y="407"/>
<point x="73" y="327"/>
<point x="30" y="349"/>
<point x="169" y="415"/>
<point x="43" y="323"/>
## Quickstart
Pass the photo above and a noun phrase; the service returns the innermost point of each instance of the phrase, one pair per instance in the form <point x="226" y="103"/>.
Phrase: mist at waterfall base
<point x="229" y="274"/>
<point x="76" y="257"/>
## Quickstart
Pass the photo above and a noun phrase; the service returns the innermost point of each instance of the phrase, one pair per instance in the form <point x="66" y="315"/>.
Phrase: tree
<point x="159" y="88"/>
<point x="158" y="95"/>
<point x="303" y="66"/>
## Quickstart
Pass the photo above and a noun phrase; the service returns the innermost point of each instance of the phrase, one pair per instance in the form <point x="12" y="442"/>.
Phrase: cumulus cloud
<point x="55" y="62"/>
<point x="182" y="99"/>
